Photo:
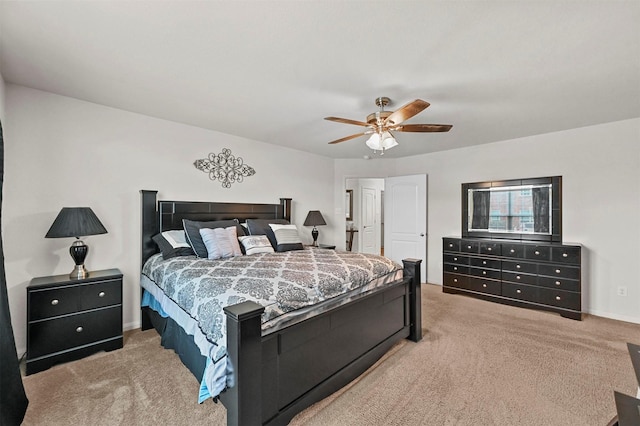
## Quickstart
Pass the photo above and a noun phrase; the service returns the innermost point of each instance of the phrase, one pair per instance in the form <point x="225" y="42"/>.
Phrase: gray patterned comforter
<point x="281" y="282"/>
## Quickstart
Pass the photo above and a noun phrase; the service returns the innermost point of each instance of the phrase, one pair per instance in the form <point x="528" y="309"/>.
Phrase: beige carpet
<point x="480" y="363"/>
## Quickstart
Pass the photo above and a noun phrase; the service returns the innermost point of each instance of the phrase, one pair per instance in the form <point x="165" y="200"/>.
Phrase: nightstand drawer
<point x="51" y="302"/>
<point x="62" y="333"/>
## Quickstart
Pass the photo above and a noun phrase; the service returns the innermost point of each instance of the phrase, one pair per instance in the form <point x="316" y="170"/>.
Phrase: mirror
<point x="348" y="204"/>
<point x="527" y="209"/>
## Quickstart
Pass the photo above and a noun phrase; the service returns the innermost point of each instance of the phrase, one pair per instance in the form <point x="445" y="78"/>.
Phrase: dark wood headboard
<point x="159" y="216"/>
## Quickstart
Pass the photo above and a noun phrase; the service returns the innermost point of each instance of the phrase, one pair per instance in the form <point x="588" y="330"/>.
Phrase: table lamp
<point x="76" y="222"/>
<point x="314" y="218"/>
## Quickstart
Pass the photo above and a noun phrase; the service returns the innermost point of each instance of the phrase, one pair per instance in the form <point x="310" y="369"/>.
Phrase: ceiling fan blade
<point x="349" y="137"/>
<point x="423" y="128"/>
<point x="406" y="112"/>
<point x="347" y="121"/>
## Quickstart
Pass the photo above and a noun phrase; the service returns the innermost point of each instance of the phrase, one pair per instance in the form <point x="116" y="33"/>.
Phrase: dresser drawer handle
<point x="79" y="329"/>
<point x="557" y="271"/>
<point x="565" y="255"/>
<point x="557" y="282"/>
<point x="469" y="247"/>
<point x="455" y="268"/>
<point x="55" y="302"/>
<point x="450" y="245"/>
<point x="512" y="251"/>
<point x="484" y="272"/>
<point x="101" y="294"/>
<point x="517" y="277"/>
<point x="455" y="280"/>
<point x="518" y="291"/>
<point x="489" y="249"/>
<point x="558" y="298"/>
<point x="484" y="285"/>
<point x="484" y="262"/>
<point x="517" y="266"/>
<point x="537" y="253"/>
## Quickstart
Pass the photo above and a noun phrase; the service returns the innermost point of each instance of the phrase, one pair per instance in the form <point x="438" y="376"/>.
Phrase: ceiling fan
<point x="381" y="123"/>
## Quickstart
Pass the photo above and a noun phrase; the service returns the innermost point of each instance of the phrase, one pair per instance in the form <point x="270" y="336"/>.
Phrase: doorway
<point x="366" y="226"/>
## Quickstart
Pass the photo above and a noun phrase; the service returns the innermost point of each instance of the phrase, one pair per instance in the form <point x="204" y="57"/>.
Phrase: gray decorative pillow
<point x="221" y="243"/>
<point x="173" y="244"/>
<point x="192" y="229"/>
<point x="287" y="237"/>
<point x="256" y="244"/>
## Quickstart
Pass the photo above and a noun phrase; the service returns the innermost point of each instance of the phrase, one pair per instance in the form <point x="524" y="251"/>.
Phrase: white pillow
<point x="221" y="242"/>
<point x="256" y="244"/>
<point x="287" y="237"/>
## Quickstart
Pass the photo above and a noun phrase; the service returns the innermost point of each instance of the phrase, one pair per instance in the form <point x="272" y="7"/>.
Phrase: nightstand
<point x="68" y="319"/>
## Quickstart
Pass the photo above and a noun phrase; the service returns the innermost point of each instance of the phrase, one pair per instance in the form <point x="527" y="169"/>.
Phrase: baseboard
<point x="625" y="318"/>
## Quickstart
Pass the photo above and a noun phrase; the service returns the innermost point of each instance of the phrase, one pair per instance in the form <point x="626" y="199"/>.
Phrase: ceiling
<point x="272" y="70"/>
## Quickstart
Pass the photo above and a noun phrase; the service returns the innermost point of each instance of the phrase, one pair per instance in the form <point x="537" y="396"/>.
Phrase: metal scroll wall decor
<point x="225" y="167"/>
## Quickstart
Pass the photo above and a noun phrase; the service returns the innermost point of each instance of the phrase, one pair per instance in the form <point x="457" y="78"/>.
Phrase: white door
<point x="405" y="213"/>
<point x="369" y="241"/>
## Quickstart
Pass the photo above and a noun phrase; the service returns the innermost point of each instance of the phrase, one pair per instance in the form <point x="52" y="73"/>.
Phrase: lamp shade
<point x="314" y="218"/>
<point x="75" y="222"/>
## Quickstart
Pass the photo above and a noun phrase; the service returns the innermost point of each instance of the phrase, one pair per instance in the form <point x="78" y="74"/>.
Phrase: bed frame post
<point x="244" y="348"/>
<point x="412" y="270"/>
<point x="149" y="228"/>
<point x="286" y="208"/>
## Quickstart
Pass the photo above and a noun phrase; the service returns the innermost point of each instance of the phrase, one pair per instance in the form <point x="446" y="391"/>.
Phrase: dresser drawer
<point x="494" y="249"/>
<point x="456" y="258"/>
<point x="521" y="292"/>
<point x="467" y="246"/>
<point x="450" y="244"/>
<point x="513" y="250"/>
<point x="566" y="254"/>
<point x="482" y="262"/>
<point x="516" y="277"/>
<point x="55" y="335"/>
<point x="559" y="298"/>
<point x="559" y="283"/>
<point x="484" y="285"/>
<point x="51" y="302"/>
<point x="520" y="267"/>
<point x="537" y="252"/>
<point x="454" y="280"/>
<point x="560" y="271"/>
<point x="456" y="269"/>
<point x="485" y="273"/>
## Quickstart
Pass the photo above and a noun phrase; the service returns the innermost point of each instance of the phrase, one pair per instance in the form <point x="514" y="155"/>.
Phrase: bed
<point x="279" y="371"/>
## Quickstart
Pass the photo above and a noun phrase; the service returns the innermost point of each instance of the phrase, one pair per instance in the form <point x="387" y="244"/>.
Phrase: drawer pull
<point x="558" y="298"/>
<point x="455" y="268"/>
<point x="565" y="255"/>
<point x="79" y="329"/>
<point x="455" y="280"/>
<point x="55" y="302"/>
<point x="484" y="272"/>
<point x="518" y="291"/>
<point x="517" y="277"/>
<point x="557" y="282"/>
<point x="469" y="247"/>
<point x="450" y="245"/>
<point x="484" y="285"/>
<point x="557" y="271"/>
<point x="489" y="249"/>
<point x="484" y="262"/>
<point x="512" y="251"/>
<point x="455" y="258"/>
<point x="101" y="294"/>
<point x="517" y="266"/>
<point x="537" y="253"/>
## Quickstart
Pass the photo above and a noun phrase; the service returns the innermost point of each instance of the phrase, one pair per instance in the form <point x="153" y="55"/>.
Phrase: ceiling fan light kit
<point x="381" y="123"/>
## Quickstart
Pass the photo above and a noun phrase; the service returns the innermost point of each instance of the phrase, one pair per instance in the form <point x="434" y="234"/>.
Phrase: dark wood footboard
<point x="281" y="374"/>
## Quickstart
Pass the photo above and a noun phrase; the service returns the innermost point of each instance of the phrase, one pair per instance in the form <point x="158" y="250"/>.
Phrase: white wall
<point x="600" y="169"/>
<point x="65" y="152"/>
<point x="2" y="98"/>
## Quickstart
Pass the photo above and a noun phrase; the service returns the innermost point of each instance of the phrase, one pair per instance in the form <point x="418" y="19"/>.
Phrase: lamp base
<point x="314" y="235"/>
<point x="79" y="272"/>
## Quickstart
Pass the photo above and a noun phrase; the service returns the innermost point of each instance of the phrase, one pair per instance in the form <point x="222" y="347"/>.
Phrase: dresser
<point x="68" y="319"/>
<point x="527" y="274"/>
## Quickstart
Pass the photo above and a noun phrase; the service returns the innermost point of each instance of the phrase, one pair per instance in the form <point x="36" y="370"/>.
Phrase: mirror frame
<point x="556" y="209"/>
<point x="348" y="204"/>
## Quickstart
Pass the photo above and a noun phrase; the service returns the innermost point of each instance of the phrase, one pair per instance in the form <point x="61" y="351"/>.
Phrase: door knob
<point x="422" y="235"/>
